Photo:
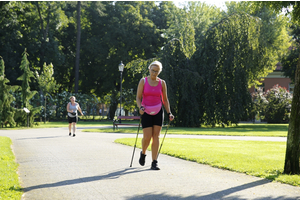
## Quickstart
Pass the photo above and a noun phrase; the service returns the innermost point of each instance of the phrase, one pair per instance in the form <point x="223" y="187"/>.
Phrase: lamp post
<point x="121" y="68"/>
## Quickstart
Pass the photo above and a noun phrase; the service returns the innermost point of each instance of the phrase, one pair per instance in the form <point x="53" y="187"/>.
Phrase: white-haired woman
<point x="72" y="108"/>
<point x="151" y="95"/>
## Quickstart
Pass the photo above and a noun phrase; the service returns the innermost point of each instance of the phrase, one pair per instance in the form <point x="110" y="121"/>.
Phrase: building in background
<point x="274" y="78"/>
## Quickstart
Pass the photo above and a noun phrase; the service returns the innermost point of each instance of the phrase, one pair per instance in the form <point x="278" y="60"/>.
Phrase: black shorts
<point x="151" y="120"/>
<point x="72" y="119"/>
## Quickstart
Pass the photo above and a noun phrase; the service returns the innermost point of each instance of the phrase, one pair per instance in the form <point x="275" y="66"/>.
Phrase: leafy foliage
<point x="211" y="87"/>
<point x="46" y="80"/>
<point x="289" y="62"/>
<point x="225" y="74"/>
<point x="210" y="57"/>
<point x="26" y="94"/>
<point x="6" y="98"/>
<point x="47" y="85"/>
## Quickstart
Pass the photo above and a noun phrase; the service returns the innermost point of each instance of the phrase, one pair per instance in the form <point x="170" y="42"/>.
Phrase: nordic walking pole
<point x="163" y="139"/>
<point x="135" y="141"/>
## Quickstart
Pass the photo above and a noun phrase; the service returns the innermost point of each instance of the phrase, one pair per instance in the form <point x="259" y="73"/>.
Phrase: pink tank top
<point x="152" y="95"/>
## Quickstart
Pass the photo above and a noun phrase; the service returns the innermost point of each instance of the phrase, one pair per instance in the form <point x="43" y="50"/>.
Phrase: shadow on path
<point x="216" y="195"/>
<point x="110" y="175"/>
<point x="169" y="197"/>
<point x="38" y="138"/>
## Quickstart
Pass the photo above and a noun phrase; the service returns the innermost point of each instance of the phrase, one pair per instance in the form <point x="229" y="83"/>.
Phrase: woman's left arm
<point x="79" y="109"/>
<point x="166" y="100"/>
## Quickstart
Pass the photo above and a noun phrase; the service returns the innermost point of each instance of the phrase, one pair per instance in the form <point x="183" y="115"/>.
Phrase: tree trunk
<point x="77" y="46"/>
<point x="44" y="32"/>
<point x="112" y="109"/>
<point x="291" y="165"/>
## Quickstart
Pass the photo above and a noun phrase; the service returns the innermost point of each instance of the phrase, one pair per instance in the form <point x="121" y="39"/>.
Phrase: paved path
<point x="91" y="166"/>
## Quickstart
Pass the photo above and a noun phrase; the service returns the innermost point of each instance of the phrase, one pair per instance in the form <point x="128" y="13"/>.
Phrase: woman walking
<point x="151" y="94"/>
<point x="72" y="108"/>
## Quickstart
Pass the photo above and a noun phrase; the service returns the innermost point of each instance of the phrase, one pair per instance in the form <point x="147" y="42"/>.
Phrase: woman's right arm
<point x="139" y="95"/>
<point x="68" y="107"/>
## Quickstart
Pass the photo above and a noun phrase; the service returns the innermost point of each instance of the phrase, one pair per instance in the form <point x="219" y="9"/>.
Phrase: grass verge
<point x="257" y="158"/>
<point x="65" y="123"/>
<point x="10" y="187"/>
<point x="271" y="130"/>
<point x="79" y="124"/>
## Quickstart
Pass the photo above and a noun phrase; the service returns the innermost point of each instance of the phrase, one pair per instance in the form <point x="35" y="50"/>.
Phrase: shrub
<point x="273" y="105"/>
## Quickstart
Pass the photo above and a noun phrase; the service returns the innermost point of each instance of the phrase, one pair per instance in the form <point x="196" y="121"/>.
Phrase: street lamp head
<point x="121" y="67"/>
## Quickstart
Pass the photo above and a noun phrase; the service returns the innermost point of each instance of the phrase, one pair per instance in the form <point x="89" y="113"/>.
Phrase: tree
<point x="289" y="62"/>
<point x="26" y="79"/>
<point x="6" y="98"/>
<point x="226" y="59"/>
<point x="46" y="80"/>
<point x="77" y="46"/>
<point x="291" y="165"/>
<point x="26" y="93"/>
<point x="66" y="38"/>
<point x="182" y="28"/>
<point x="47" y="83"/>
<point x="184" y="85"/>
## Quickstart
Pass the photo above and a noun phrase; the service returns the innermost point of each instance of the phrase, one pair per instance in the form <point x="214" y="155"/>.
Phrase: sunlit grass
<point x="79" y="124"/>
<point x="10" y="187"/>
<point x="65" y="123"/>
<point x="275" y="130"/>
<point x="257" y="158"/>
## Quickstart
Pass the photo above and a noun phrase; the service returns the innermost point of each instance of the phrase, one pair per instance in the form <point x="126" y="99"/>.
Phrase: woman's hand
<point x="142" y="110"/>
<point x="171" y="117"/>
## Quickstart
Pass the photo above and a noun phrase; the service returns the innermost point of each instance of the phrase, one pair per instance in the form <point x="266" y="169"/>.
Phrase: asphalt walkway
<point x="90" y="166"/>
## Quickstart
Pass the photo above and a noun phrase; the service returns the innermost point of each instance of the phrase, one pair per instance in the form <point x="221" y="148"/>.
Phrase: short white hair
<point x="156" y="63"/>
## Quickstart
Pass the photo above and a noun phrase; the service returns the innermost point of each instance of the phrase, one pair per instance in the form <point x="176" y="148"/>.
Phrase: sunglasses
<point x="154" y="71"/>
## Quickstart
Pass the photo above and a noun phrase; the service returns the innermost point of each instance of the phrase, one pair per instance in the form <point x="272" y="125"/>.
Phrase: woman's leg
<point x="155" y="141"/>
<point x="70" y="124"/>
<point x="147" y="135"/>
<point x="74" y="128"/>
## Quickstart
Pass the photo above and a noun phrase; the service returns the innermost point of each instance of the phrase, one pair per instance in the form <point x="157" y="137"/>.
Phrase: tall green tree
<point x="224" y="62"/>
<point x="273" y="38"/>
<point x="46" y="79"/>
<point x="291" y="165"/>
<point x="6" y="98"/>
<point x="47" y="85"/>
<point x="66" y="38"/>
<point x="26" y="93"/>
<point x="184" y="85"/>
<point x="182" y="28"/>
<point x="289" y="62"/>
<point x="78" y="45"/>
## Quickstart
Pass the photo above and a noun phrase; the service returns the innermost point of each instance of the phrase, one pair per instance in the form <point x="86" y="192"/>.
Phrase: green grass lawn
<point x="79" y="124"/>
<point x="276" y="130"/>
<point x="10" y="187"/>
<point x="257" y="158"/>
<point x="58" y="124"/>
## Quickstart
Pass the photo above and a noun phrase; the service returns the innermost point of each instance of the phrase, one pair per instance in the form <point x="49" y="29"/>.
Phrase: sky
<point x="218" y="3"/>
